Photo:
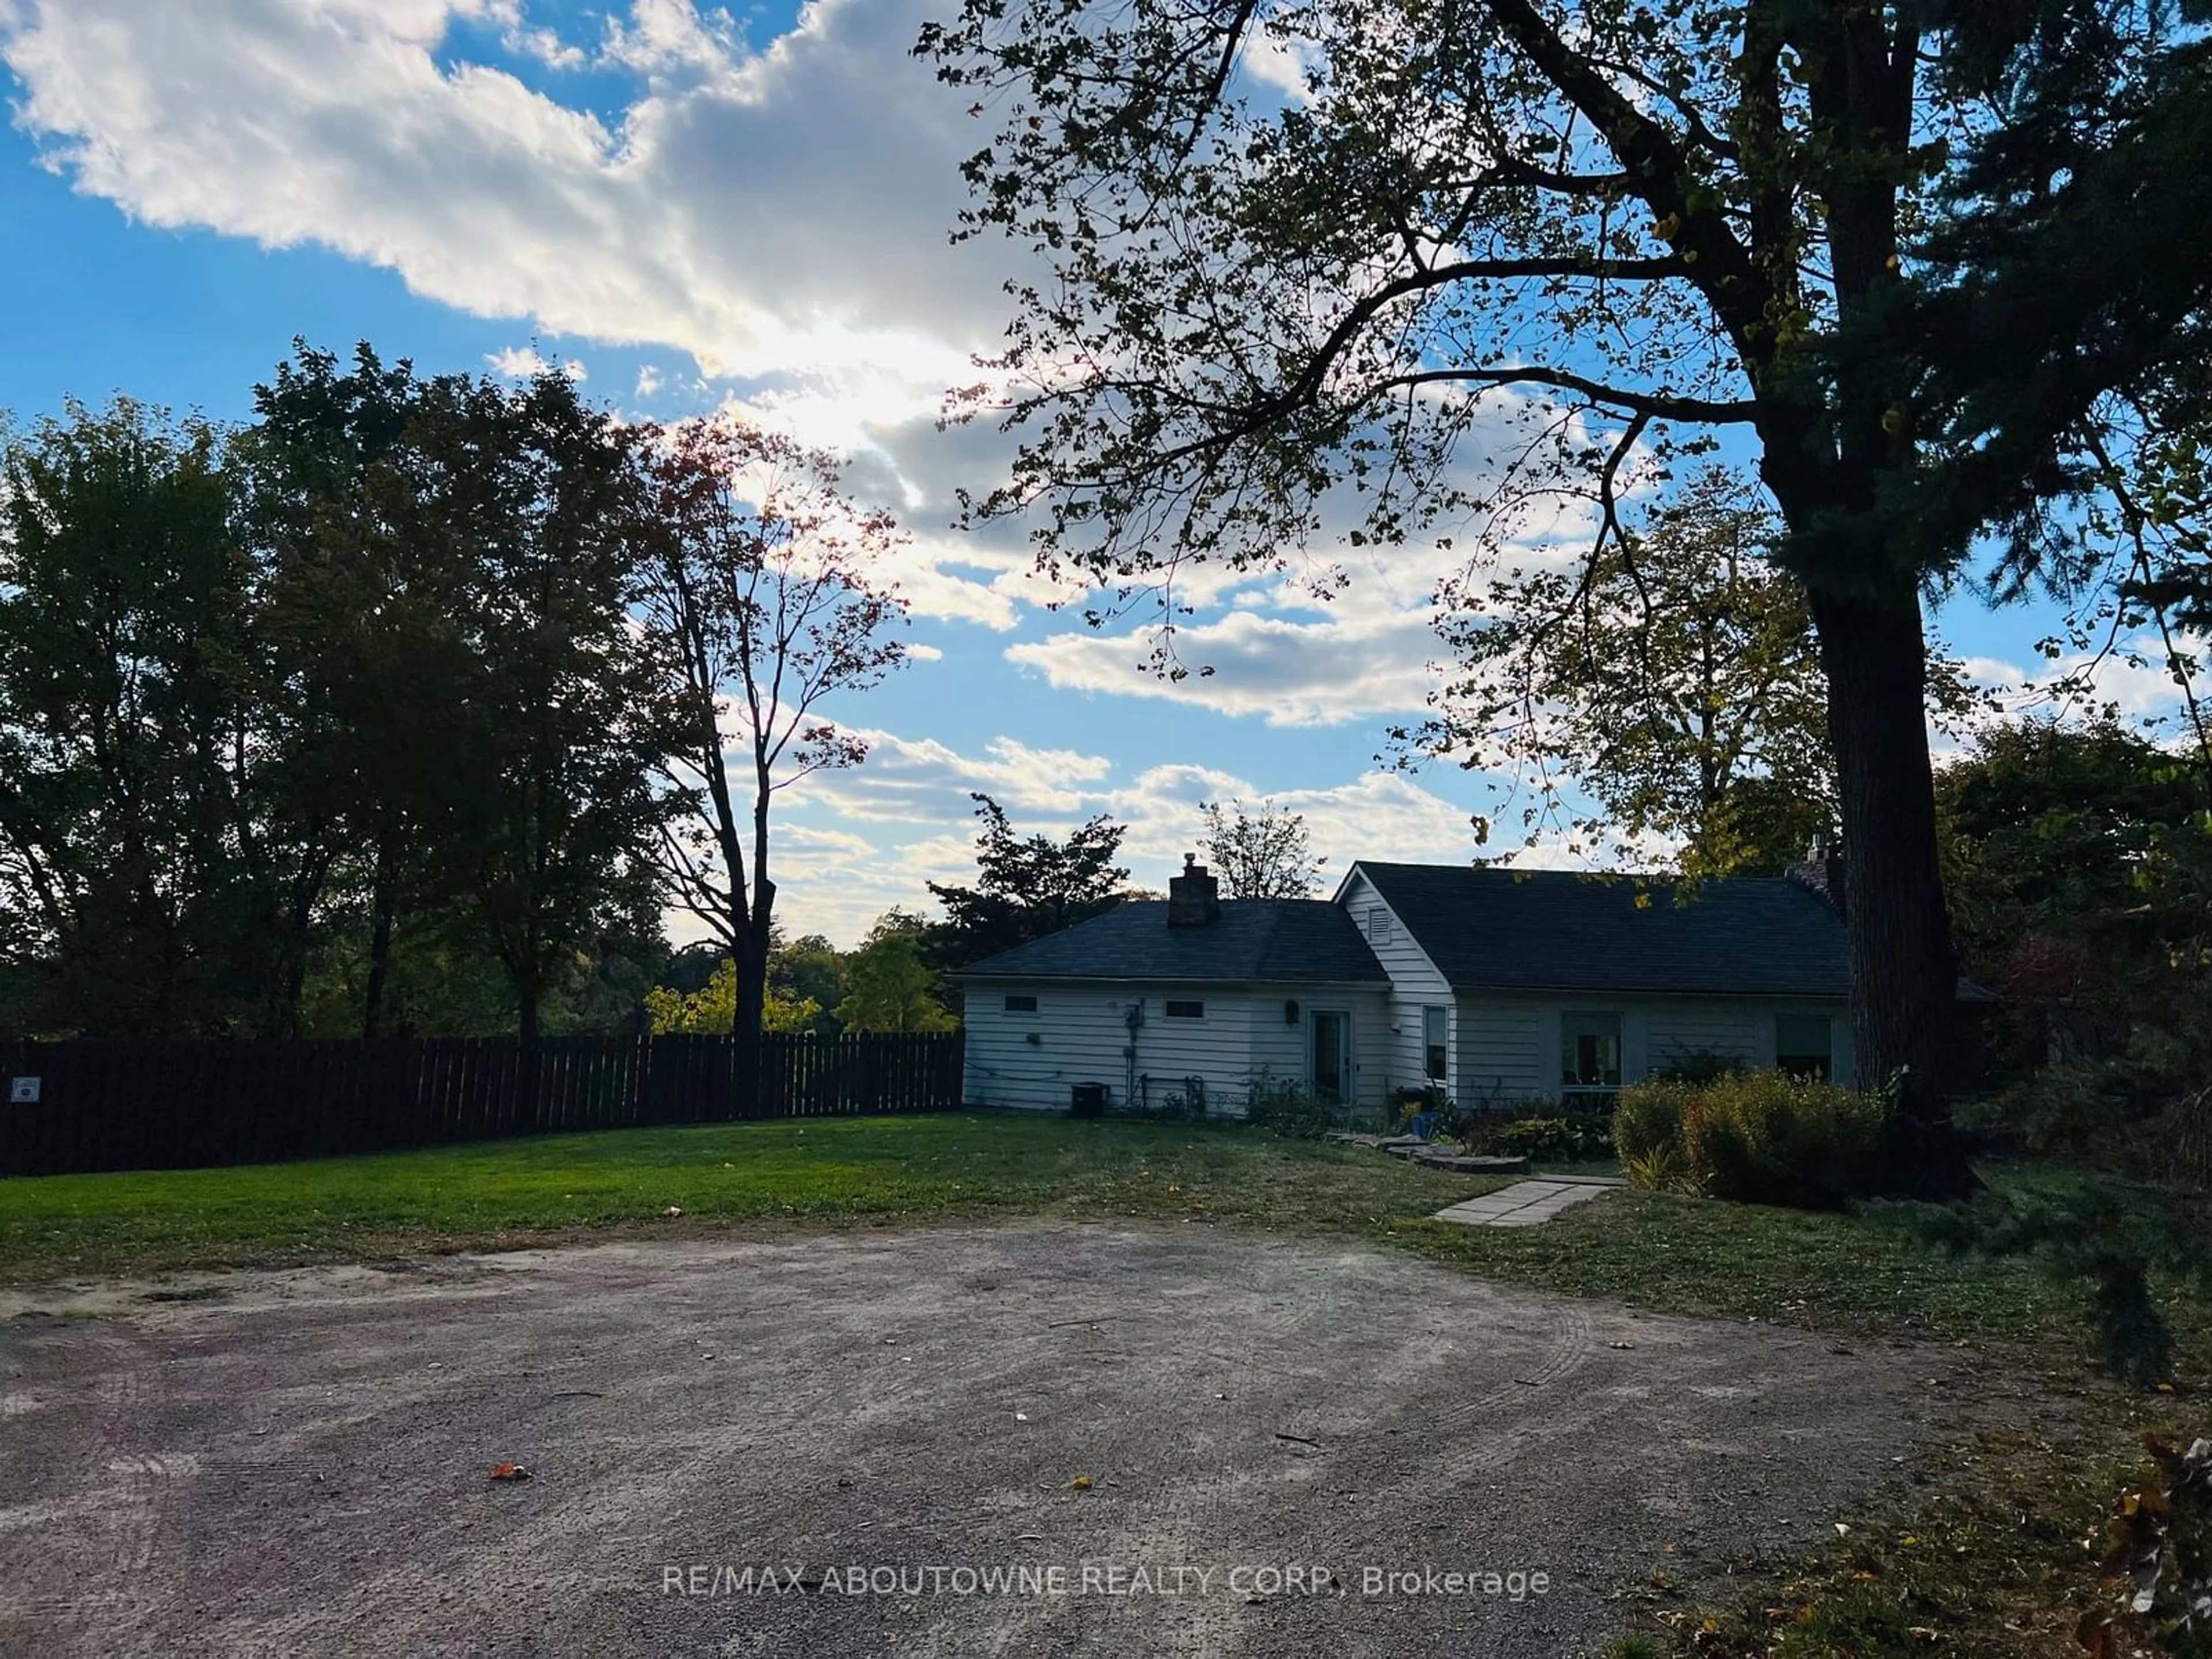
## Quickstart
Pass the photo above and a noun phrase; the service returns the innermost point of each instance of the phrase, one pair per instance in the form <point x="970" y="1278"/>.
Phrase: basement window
<point x="1021" y="1005"/>
<point x="1802" y="1046"/>
<point x="1186" y="1011"/>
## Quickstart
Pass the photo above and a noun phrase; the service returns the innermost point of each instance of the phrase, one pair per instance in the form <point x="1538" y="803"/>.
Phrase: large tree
<point x="151" y="880"/>
<point x="1669" y="686"/>
<point x="567" y="713"/>
<point x="372" y="628"/>
<point x="1484" y="249"/>
<point x="763" y="593"/>
<point x="1027" y="886"/>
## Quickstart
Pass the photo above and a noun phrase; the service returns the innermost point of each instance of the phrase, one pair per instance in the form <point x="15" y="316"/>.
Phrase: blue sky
<point x="694" y="209"/>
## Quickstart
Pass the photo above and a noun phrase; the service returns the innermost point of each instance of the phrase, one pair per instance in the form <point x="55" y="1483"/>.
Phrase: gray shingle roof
<point x="1506" y="930"/>
<point x="1269" y="941"/>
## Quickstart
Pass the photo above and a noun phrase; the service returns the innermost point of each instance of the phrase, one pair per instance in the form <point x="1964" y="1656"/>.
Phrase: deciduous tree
<point x="763" y="592"/>
<point x="1465" y="255"/>
<point x="892" y="988"/>
<point x="1259" y="854"/>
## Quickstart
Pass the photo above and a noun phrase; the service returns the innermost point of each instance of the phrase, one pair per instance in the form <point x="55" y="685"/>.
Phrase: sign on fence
<point x="129" y="1105"/>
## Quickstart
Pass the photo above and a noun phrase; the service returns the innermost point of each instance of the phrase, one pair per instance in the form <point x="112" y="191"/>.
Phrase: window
<point x="1802" y="1046"/>
<point x="1589" y="1052"/>
<point x="1434" y="1024"/>
<point x="1378" y="925"/>
<point x="1186" y="1011"/>
<point x="1021" y="1005"/>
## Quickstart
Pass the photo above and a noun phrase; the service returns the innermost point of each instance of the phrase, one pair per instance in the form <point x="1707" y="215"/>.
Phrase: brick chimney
<point x="1193" y="898"/>
<point x="1821" y="872"/>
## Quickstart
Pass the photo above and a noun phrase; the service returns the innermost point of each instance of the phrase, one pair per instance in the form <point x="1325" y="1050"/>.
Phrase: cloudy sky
<point x="694" y="209"/>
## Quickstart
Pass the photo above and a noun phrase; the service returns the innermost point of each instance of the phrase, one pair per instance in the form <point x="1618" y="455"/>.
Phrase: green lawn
<point x="830" y="1168"/>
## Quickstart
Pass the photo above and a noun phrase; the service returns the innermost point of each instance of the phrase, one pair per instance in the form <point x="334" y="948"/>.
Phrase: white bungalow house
<point x="1499" y="986"/>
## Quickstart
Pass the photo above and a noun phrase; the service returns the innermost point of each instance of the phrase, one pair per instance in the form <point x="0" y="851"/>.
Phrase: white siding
<point x="1281" y="1048"/>
<point x="1509" y="1047"/>
<point x="1415" y="984"/>
<point x="1082" y="1037"/>
<point x="1734" y="1030"/>
<point x="1501" y="1053"/>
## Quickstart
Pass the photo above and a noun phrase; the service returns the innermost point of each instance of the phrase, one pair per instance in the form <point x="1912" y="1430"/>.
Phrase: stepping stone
<point x="1524" y="1204"/>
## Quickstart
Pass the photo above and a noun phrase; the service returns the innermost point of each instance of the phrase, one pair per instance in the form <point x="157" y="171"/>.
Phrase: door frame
<point x="1347" y="1072"/>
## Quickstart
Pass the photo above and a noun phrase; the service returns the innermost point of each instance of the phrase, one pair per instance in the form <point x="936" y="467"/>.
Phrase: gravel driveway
<point x="903" y="1423"/>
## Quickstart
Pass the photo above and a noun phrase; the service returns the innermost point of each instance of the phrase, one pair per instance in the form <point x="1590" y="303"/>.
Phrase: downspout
<point x="1133" y="1017"/>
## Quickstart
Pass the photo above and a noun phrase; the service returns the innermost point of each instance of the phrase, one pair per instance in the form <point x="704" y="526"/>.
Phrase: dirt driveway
<point x="901" y="1421"/>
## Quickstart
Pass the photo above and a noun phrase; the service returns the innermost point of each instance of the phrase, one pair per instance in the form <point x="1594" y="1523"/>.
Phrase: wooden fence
<point x="140" y="1105"/>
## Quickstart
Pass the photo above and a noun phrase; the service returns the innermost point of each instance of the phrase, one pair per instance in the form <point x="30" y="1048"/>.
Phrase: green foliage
<point x="153" y="877"/>
<point x="1767" y="1138"/>
<point x="893" y="987"/>
<point x="1755" y="1137"/>
<point x="1697" y="1065"/>
<point x="1282" y="1106"/>
<point x="1581" y="1138"/>
<point x="1026" y="886"/>
<point x="1647" y="1130"/>
<point x="1671" y="675"/>
<point x="809" y="969"/>
<point x="712" y="1010"/>
<point x="2079" y="863"/>
<point x="2107" y="1236"/>
<point x="1258" y="854"/>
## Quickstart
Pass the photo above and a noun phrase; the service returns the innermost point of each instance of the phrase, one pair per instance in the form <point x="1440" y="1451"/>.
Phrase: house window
<point x="1803" y="1046"/>
<point x="1589" y="1052"/>
<point x="1378" y="925"/>
<point x="1186" y="1011"/>
<point x="1021" y="1005"/>
<point x="1433" y="1027"/>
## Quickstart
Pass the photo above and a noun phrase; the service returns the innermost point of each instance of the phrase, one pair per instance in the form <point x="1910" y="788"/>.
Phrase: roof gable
<point x="1544" y="930"/>
<point x="1268" y="941"/>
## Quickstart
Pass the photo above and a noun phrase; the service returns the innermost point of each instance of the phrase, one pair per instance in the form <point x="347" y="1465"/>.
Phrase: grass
<point x="824" y="1170"/>
<point x="1977" y="1551"/>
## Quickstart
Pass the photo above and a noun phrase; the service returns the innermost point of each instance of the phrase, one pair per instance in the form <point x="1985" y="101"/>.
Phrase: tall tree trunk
<point x="1904" y="973"/>
<point x="751" y="952"/>
<point x="383" y="904"/>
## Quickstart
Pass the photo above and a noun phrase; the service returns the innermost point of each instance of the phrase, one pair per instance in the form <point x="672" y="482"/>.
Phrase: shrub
<point x="1281" y="1106"/>
<point x="1767" y="1138"/>
<point x="1647" y="1129"/>
<point x="1698" y="1066"/>
<point x="1574" y="1139"/>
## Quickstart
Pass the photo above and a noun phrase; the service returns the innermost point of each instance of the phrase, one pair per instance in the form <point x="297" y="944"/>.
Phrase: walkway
<point x="1525" y="1203"/>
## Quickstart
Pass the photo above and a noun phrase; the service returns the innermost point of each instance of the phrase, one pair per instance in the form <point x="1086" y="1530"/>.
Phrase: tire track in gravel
<point x="131" y="1486"/>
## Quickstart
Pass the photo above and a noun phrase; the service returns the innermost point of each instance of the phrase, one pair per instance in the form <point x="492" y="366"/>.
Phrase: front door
<point x="1329" y="1057"/>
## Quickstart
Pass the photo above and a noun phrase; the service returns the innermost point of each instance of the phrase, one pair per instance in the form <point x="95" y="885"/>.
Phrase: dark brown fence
<point x="127" y="1105"/>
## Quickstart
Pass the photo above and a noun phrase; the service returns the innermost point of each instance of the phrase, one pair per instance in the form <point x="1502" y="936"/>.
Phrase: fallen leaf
<point x="510" y="1472"/>
<point x="672" y="1210"/>
<point x="1021" y="1417"/>
<point x="1081" y="1483"/>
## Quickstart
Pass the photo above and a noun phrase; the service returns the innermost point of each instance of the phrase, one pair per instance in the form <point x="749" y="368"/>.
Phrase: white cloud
<point x="517" y="362"/>
<point x="1289" y="673"/>
<point x="924" y="653"/>
<point x="766" y="212"/>
<point x="838" y="880"/>
<point x="648" y="381"/>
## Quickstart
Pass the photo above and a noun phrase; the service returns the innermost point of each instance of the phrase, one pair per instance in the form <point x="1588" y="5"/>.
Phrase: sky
<point x="694" y="209"/>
